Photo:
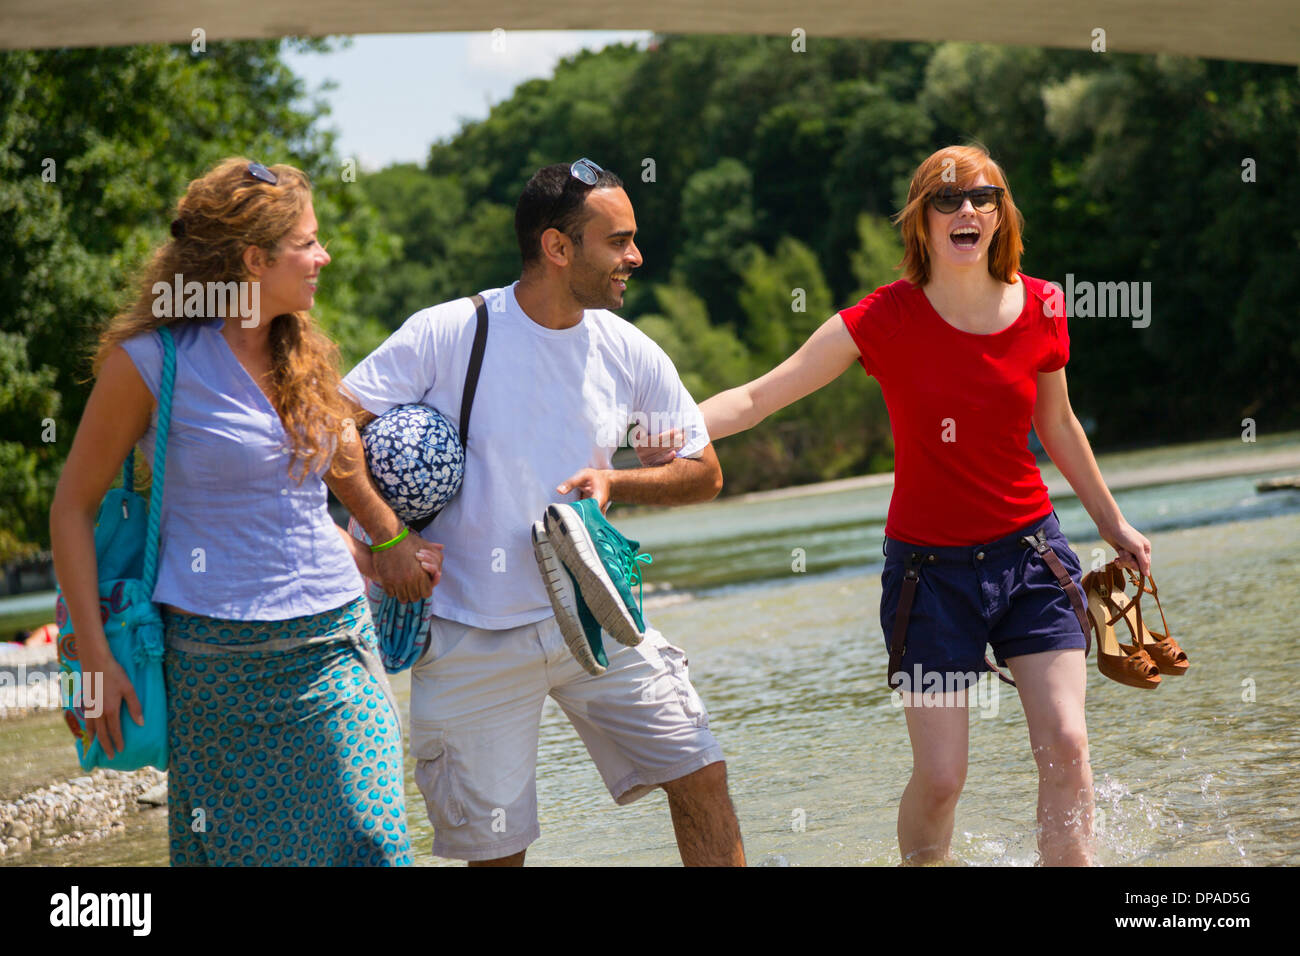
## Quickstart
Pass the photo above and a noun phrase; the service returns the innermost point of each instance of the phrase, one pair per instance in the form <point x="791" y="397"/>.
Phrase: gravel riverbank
<point x="89" y="807"/>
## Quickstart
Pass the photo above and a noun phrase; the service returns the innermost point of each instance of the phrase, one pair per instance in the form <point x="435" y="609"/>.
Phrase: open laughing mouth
<point x="620" y="279"/>
<point x="965" y="237"/>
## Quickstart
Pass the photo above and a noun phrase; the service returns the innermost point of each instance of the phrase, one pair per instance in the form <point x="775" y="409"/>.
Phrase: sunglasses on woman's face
<point x="983" y="198"/>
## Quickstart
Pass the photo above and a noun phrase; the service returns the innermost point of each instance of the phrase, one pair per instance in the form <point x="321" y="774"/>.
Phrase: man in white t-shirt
<point x="561" y="380"/>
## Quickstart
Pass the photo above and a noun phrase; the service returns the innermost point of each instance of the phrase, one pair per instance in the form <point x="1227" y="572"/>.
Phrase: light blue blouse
<point x="240" y="538"/>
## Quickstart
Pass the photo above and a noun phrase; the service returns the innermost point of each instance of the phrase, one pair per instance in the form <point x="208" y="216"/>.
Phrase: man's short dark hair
<point x="554" y="199"/>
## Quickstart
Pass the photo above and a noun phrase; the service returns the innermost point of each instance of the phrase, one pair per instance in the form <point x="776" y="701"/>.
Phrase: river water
<point x="791" y="663"/>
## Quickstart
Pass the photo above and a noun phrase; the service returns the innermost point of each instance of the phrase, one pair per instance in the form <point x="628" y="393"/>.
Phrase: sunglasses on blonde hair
<point x="258" y="171"/>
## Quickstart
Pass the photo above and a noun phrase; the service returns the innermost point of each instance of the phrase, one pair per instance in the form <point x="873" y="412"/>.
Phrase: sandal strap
<point x="1140" y="581"/>
<point x="1169" y="650"/>
<point x="1141" y="662"/>
<point x="1115" y="576"/>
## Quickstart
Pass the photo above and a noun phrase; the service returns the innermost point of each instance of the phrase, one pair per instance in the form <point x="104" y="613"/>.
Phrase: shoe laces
<point x="624" y="556"/>
<point x="633" y="573"/>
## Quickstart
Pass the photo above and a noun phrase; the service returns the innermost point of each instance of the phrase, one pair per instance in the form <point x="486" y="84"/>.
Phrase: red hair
<point x="959" y="167"/>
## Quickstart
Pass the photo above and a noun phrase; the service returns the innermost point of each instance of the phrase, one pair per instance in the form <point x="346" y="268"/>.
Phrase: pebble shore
<point x="84" y="808"/>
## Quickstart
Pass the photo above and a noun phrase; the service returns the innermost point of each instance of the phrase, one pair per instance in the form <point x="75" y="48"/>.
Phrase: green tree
<point x="718" y="223"/>
<point x="876" y="260"/>
<point x="836" y="431"/>
<point x="709" y="358"/>
<point x="96" y="146"/>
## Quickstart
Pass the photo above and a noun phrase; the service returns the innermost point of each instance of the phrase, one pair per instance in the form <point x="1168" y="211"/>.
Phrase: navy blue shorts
<point x="1001" y="593"/>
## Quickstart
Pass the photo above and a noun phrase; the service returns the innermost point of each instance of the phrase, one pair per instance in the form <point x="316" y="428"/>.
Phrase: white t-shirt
<point x="549" y="403"/>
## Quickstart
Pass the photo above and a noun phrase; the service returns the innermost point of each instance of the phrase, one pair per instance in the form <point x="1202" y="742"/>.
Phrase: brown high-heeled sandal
<point x="1163" y="649"/>
<point x="1127" y="664"/>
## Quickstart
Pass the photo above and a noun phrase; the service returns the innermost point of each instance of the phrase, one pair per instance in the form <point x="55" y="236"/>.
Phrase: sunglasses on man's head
<point x="585" y="171"/>
<point x="983" y="198"/>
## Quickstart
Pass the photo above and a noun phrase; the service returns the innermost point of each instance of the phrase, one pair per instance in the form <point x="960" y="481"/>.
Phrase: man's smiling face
<point x="605" y="255"/>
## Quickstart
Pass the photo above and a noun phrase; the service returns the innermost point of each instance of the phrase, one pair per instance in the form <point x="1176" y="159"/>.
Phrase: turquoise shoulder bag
<point x="126" y="553"/>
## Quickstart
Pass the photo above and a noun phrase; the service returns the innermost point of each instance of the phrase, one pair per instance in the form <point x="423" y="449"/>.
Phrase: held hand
<point x="1131" y="548"/>
<point x="399" y="570"/>
<point x="105" y="687"/>
<point x="588" y="483"/>
<point x="431" y="560"/>
<point x="659" y="449"/>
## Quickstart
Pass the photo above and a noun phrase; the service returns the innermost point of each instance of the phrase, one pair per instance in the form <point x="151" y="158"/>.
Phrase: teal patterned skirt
<point x="285" y="743"/>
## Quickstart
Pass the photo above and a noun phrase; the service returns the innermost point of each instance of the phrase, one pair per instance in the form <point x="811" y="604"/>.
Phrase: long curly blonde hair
<point x="221" y="214"/>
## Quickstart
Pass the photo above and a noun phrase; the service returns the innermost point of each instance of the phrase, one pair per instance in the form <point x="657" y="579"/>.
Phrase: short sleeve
<point x="871" y="324"/>
<point x="399" y="372"/>
<point x="1057" y="350"/>
<point x="667" y="404"/>
<point x="146" y="352"/>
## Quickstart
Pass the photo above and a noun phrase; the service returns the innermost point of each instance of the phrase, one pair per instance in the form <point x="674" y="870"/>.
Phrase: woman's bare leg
<point x="1052" y="686"/>
<point x="940" y="735"/>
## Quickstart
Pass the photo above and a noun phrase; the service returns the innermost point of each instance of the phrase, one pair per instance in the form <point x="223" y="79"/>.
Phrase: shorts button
<point x="284" y="491"/>
<point x="933" y="558"/>
<point x="980" y="556"/>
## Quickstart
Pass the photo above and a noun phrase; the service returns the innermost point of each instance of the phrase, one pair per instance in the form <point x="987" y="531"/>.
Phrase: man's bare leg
<point x="708" y="833"/>
<point x="516" y="860"/>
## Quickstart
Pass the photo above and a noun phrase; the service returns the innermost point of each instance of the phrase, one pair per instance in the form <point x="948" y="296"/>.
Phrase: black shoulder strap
<point x="471" y="385"/>
<point x="475" y="365"/>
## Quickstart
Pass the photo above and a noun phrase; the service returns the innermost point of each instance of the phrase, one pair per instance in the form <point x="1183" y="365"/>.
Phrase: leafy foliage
<point x="96" y="146"/>
<point x="754" y="172"/>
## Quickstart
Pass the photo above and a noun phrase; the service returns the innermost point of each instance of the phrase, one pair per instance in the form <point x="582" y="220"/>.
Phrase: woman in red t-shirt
<point x="969" y="352"/>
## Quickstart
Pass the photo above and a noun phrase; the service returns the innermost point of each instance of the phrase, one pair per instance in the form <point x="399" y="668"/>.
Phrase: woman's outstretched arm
<point x="827" y="353"/>
<point x="819" y="361"/>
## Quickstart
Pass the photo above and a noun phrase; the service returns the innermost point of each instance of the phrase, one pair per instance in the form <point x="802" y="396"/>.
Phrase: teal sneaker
<point x="580" y="629"/>
<point x="604" y="563"/>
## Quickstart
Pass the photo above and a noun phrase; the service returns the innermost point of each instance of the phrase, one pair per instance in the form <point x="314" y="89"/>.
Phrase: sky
<point x="397" y="94"/>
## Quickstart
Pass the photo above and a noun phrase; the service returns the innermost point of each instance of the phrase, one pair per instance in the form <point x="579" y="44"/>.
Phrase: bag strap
<point x="475" y="366"/>
<point x="471" y="386"/>
<point x="1038" y="542"/>
<point x="898" y="639"/>
<point x="165" y="389"/>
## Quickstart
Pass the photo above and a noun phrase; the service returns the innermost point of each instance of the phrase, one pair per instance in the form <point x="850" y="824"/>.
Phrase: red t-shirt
<point x="960" y="406"/>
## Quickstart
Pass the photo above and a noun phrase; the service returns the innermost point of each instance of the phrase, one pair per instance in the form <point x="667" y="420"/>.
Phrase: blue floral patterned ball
<point x="415" y="456"/>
